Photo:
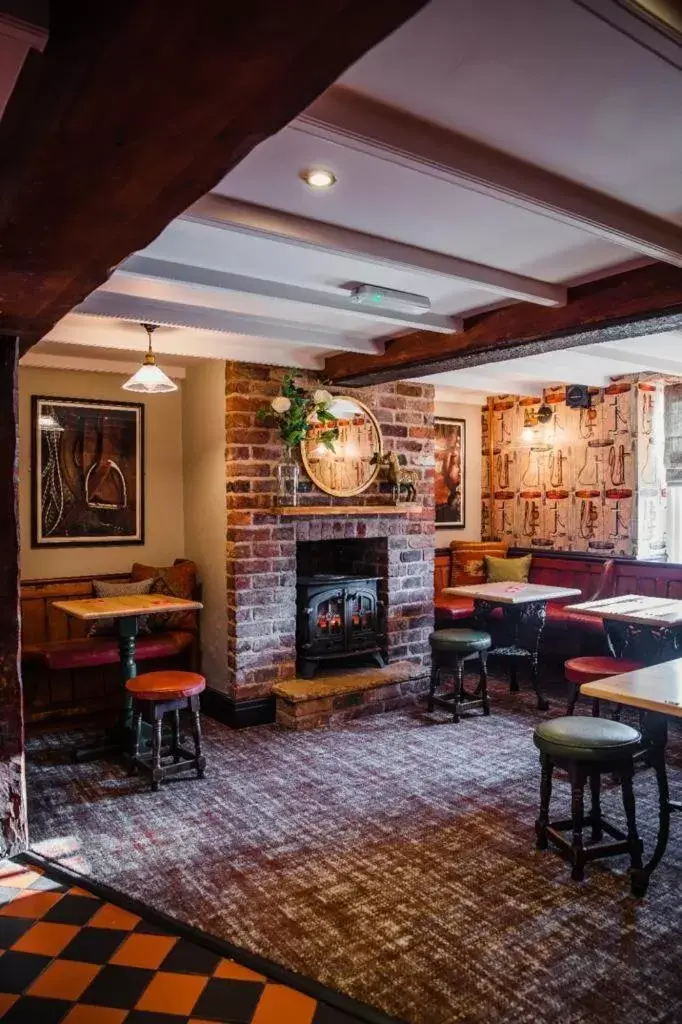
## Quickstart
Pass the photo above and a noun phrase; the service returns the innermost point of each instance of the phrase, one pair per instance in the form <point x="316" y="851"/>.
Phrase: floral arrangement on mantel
<point x="292" y="410"/>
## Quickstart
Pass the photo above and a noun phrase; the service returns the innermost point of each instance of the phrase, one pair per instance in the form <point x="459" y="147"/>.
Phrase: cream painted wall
<point x="164" y="523"/>
<point x="203" y="430"/>
<point x="472" y="511"/>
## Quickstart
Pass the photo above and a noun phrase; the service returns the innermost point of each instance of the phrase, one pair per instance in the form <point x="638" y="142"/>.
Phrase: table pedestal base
<point x="117" y="740"/>
<point x="655" y="733"/>
<point x="517" y="635"/>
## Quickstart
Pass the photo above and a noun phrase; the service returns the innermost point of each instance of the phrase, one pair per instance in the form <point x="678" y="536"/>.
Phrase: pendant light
<point x="150" y="378"/>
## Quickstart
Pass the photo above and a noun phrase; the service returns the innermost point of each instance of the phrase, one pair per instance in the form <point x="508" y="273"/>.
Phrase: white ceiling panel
<point x="253" y="256"/>
<point x="382" y="198"/>
<point x="544" y="80"/>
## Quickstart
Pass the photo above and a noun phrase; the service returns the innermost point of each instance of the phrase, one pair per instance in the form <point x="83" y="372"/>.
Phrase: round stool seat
<point x="167" y="685"/>
<point x="460" y="641"/>
<point x="586" y="739"/>
<point x="589" y="670"/>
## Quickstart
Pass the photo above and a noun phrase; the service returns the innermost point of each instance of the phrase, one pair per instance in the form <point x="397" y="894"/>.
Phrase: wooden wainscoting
<point x="441" y="569"/>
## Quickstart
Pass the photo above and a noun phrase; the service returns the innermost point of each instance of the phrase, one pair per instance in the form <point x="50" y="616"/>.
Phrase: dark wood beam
<point x="137" y="108"/>
<point x="647" y="300"/>
<point x="13" y="826"/>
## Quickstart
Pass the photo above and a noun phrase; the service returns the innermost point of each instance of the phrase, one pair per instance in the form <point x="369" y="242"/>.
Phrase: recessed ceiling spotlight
<point x="318" y="177"/>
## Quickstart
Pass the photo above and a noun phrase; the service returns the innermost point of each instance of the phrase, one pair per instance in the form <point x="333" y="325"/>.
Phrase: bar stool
<point x="155" y="694"/>
<point x="587" y="748"/>
<point x="588" y="670"/>
<point x="450" y="648"/>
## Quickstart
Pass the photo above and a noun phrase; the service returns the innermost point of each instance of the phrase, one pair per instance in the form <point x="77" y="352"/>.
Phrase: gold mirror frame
<point x="347" y="492"/>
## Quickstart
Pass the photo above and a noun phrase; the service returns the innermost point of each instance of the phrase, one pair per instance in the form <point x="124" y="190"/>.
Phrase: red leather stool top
<point x="168" y="685"/>
<point x="589" y="670"/>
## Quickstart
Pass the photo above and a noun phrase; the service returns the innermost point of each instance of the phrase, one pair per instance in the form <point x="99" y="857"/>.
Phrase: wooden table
<point x="524" y="609"/>
<point x="657" y="693"/>
<point x="127" y="612"/>
<point x="639" y="626"/>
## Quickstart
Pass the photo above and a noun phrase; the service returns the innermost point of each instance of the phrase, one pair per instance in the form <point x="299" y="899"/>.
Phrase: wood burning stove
<point x="338" y="616"/>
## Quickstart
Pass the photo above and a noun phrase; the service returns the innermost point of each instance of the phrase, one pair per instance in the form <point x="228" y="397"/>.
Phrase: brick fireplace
<point x="265" y="549"/>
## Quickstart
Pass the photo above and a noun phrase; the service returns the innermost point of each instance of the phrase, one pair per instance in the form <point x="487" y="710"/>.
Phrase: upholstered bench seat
<point x="586" y="739"/>
<point x="85" y="652"/>
<point x="450" y="608"/>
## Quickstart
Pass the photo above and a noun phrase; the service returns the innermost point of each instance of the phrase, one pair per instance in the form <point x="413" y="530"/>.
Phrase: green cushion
<point x="579" y="738"/>
<point x="461" y="641"/>
<point x="507" y="570"/>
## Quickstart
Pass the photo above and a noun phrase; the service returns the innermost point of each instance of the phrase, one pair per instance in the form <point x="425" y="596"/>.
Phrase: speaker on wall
<point x="578" y="396"/>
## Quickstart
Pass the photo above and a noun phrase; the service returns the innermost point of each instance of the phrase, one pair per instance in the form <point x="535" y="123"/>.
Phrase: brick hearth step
<point x="333" y="697"/>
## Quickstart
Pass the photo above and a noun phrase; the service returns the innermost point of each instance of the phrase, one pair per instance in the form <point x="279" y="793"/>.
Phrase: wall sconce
<point x="533" y="418"/>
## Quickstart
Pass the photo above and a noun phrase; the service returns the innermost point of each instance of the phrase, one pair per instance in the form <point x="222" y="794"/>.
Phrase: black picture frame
<point x="80" y="512"/>
<point x="450" y="452"/>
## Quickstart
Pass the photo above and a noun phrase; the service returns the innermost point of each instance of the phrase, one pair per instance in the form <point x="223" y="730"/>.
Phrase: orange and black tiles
<point x="68" y="957"/>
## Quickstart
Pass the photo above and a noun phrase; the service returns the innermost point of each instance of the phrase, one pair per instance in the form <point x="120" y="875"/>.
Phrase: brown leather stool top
<point x="167" y="685"/>
<point x="153" y="695"/>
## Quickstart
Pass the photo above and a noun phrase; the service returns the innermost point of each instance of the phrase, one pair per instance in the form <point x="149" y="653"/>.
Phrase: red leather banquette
<point x="66" y="672"/>
<point x="566" y="634"/>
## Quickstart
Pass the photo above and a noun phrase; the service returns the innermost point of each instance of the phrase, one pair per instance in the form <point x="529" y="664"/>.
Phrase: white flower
<point x="281" y="404"/>
<point x="321" y="397"/>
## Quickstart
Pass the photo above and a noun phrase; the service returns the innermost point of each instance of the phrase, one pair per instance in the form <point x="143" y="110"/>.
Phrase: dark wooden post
<point x="13" y="828"/>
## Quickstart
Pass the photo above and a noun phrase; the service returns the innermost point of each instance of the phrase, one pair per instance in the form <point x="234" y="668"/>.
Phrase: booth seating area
<point x="566" y="634"/>
<point x="67" y="672"/>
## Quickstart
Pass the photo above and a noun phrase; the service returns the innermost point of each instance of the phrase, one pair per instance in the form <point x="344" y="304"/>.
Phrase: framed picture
<point x="450" y="471"/>
<point x="87" y="484"/>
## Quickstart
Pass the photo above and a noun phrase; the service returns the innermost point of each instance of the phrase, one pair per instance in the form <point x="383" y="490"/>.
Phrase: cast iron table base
<point x="654" y="726"/>
<point x="517" y="636"/>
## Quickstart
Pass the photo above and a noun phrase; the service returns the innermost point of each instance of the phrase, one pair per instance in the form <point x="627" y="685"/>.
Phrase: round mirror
<point x="355" y="461"/>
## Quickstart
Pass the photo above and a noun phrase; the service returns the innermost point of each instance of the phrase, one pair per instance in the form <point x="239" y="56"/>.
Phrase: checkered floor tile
<point x="67" y="957"/>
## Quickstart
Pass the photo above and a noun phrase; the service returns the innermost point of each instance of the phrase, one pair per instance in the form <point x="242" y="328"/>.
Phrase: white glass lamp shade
<point x="150" y="379"/>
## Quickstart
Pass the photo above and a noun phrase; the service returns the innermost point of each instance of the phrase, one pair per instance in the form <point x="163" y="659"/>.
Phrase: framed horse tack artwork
<point x="87" y="463"/>
<point x="450" y="450"/>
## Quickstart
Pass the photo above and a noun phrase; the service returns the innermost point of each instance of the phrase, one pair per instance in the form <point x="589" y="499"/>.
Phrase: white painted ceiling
<point x="546" y="81"/>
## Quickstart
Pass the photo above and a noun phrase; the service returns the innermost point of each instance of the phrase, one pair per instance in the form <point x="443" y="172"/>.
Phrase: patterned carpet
<point x="392" y="860"/>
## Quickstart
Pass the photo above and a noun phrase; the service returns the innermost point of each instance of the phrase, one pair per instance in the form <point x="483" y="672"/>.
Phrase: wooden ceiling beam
<point x="647" y="300"/>
<point x="137" y="108"/>
<point x="359" y="122"/>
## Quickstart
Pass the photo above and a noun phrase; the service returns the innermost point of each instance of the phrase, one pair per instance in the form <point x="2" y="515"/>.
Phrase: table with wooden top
<point x="524" y="609"/>
<point x="127" y="611"/>
<point x="656" y="691"/>
<point x="639" y="626"/>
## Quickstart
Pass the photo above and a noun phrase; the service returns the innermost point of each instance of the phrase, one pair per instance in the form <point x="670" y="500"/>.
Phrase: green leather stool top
<point x="462" y="641"/>
<point x="586" y="739"/>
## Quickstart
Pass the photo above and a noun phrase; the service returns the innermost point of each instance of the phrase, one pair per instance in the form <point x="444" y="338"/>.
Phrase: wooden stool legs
<point x="196" y="733"/>
<point x="546" y="772"/>
<point x="575" y="849"/>
<point x="152" y="762"/>
<point x="577" y="776"/>
<point x="458" y="700"/>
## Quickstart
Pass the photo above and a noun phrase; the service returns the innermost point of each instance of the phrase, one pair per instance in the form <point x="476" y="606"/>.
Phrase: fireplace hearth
<point x="339" y="616"/>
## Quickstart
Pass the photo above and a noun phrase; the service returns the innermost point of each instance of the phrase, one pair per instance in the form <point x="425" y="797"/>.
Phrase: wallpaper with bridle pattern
<point x="586" y="480"/>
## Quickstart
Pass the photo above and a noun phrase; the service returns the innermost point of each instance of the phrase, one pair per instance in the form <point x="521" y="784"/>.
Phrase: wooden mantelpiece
<point x="315" y="511"/>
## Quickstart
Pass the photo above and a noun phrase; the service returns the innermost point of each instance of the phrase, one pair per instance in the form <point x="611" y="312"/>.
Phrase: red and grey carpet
<point x="392" y="859"/>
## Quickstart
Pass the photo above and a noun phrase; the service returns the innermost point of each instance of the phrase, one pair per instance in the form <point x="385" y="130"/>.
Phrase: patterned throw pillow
<point x="105" y="588"/>
<point x="179" y="580"/>
<point x="507" y="570"/>
<point x="466" y="560"/>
